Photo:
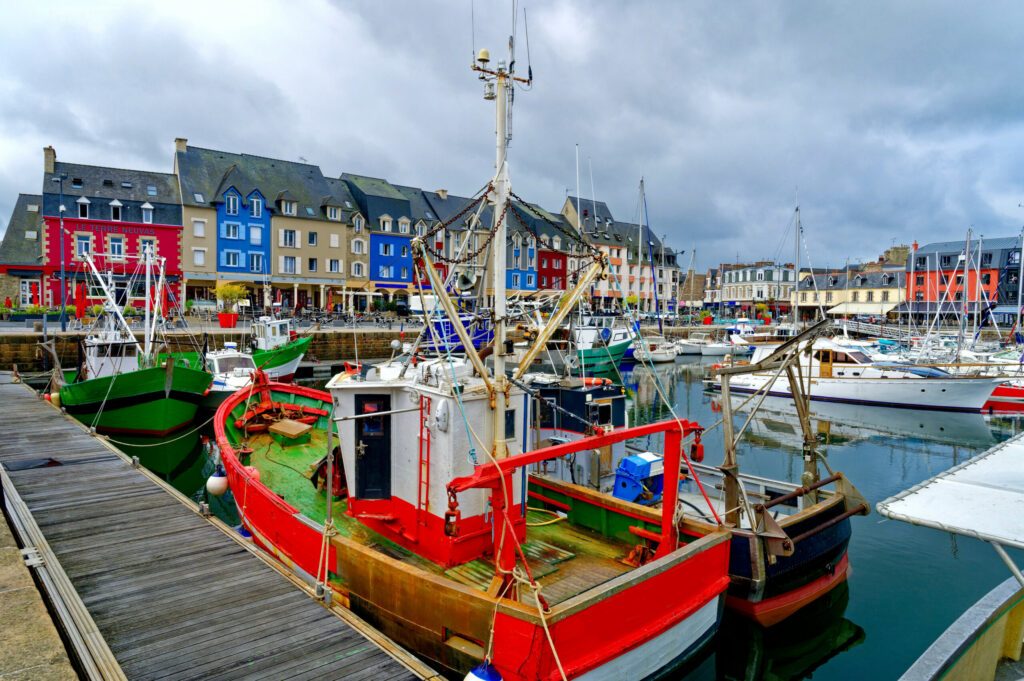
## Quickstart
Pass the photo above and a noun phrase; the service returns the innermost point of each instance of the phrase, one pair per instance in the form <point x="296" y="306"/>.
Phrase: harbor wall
<point x="327" y="346"/>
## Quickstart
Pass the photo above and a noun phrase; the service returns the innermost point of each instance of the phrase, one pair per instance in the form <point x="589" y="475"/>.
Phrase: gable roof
<point x="16" y="249"/>
<point x="377" y="197"/>
<point x="209" y="172"/>
<point x="109" y="183"/>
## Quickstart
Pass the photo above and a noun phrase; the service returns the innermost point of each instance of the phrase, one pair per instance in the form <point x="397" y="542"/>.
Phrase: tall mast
<point x="796" y="269"/>
<point x="148" y="258"/>
<point x="1020" y="280"/>
<point x="640" y="252"/>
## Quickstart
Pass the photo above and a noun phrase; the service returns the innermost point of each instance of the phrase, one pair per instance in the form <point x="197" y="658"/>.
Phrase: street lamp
<point x="59" y="179"/>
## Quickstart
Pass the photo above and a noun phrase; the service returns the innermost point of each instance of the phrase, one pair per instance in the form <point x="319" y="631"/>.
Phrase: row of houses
<point x="297" y="237"/>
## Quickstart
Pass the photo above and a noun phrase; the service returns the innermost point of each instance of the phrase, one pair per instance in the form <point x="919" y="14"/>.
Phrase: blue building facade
<point x="243" y="233"/>
<point x="390" y="260"/>
<point x="389" y="217"/>
<point x="521" y="262"/>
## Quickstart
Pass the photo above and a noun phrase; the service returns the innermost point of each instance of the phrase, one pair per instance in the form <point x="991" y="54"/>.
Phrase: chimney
<point x="443" y="194"/>
<point x="180" y="143"/>
<point x="49" y="159"/>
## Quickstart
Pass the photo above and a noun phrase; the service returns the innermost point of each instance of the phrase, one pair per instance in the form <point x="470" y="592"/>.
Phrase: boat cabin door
<point x="373" y="447"/>
<point x="825" y="359"/>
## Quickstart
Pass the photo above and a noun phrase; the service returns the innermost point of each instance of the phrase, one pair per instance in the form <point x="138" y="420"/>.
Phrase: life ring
<point x="593" y="380"/>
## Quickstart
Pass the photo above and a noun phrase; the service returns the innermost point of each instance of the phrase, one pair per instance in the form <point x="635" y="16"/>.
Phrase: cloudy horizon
<point x="890" y="122"/>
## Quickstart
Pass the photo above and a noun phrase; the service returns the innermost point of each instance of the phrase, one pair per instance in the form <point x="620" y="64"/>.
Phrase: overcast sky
<point x="894" y="121"/>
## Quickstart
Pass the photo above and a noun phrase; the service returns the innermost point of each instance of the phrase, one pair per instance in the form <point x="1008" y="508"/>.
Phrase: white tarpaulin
<point x="982" y="498"/>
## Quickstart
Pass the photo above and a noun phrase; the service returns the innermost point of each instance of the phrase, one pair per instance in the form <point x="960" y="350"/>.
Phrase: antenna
<point x="529" y="63"/>
<point x="472" y="32"/>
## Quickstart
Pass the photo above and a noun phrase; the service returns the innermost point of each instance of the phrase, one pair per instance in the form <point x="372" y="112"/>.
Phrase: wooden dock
<point x="144" y="587"/>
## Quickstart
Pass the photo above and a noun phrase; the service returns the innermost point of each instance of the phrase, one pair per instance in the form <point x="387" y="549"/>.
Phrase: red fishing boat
<point x="403" y="493"/>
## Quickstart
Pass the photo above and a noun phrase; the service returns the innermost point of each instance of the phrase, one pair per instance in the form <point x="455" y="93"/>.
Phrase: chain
<point x="569" y="234"/>
<point x="469" y="206"/>
<point x="472" y="255"/>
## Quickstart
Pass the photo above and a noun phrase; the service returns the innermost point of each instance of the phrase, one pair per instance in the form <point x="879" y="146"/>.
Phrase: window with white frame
<point x="256" y="207"/>
<point x="288" y="238"/>
<point x="83" y="244"/>
<point x="147" y="213"/>
<point x="515" y="281"/>
<point x="760" y="275"/>
<point x="405" y="273"/>
<point x="198" y="228"/>
<point x="357" y="269"/>
<point x="529" y="280"/>
<point x="117" y="247"/>
<point x="231" y="204"/>
<point x="405" y="251"/>
<point x="334" y="266"/>
<point x="290" y="208"/>
<point x="403" y="226"/>
<point x="83" y="210"/>
<point x="231" y="258"/>
<point x="357" y="246"/>
<point x="357" y="223"/>
<point x="387" y="249"/>
<point x="288" y="264"/>
<point x="333" y="213"/>
<point x="115" y="210"/>
<point x="256" y="262"/>
<point x="147" y="243"/>
<point x="311" y="238"/>
<point x="312" y="264"/>
<point x="199" y="257"/>
<point x="256" y="235"/>
<point x="385" y="224"/>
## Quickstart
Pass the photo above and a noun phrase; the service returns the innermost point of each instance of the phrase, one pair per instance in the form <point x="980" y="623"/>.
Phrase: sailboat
<point x="403" y="495"/>
<point x="120" y="386"/>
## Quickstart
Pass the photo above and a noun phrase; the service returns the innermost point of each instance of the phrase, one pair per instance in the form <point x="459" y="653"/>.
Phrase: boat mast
<point x="148" y="338"/>
<point x="796" y="270"/>
<point x="1020" y="279"/>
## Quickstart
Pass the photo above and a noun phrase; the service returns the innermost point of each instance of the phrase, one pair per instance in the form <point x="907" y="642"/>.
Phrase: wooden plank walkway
<point x="173" y="596"/>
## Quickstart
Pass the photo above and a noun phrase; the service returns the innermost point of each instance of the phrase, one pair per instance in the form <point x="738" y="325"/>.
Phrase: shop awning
<point x="862" y="308"/>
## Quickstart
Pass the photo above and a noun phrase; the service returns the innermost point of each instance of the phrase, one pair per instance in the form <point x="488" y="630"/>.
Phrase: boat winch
<point x="639" y="478"/>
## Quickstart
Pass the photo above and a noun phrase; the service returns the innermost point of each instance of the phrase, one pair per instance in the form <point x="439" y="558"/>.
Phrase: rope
<point x="163" y="442"/>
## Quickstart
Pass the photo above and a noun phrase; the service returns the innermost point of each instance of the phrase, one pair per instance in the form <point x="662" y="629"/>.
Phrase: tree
<point x="230" y="294"/>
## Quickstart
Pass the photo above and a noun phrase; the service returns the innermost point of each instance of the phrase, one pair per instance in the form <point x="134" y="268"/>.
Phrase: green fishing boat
<point x="601" y="357"/>
<point x="119" y="385"/>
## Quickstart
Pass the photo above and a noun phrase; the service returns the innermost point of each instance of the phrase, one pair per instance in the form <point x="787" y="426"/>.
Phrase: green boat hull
<point x="602" y="358"/>
<point x="143" y="402"/>
<point x="282" y="362"/>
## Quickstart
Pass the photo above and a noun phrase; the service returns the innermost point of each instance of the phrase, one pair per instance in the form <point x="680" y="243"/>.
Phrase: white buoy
<point x="217" y="484"/>
<point x="484" y="671"/>
<point x="396" y="344"/>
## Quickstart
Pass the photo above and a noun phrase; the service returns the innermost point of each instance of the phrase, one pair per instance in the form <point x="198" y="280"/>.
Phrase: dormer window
<point x="357" y="223"/>
<point x="83" y="208"/>
<point x="256" y="207"/>
<point x="403" y="226"/>
<point x="290" y="208"/>
<point x="115" y="210"/>
<point x="231" y="204"/>
<point x="385" y="224"/>
<point x="147" y="213"/>
<point x="76" y="182"/>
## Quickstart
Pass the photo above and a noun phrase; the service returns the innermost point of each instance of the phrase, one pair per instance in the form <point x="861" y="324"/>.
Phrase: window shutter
<point x="334" y="241"/>
<point x="280" y="263"/>
<point x="298" y="241"/>
<point x="298" y="265"/>
<point x="280" y="239"/>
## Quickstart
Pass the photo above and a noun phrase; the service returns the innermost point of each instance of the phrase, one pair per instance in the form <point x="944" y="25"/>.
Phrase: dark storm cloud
<point x="895" y="121"/>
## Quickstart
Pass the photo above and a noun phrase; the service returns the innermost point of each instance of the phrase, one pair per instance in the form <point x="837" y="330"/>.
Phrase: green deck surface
<point x="565" y="558"/>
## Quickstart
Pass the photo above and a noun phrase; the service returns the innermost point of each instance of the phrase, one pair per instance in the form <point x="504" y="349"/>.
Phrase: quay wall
<point x="334" y="345"/>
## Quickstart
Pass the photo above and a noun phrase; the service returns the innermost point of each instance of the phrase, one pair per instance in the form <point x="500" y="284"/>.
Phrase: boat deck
<point x="147" y="587"/>
<point x="565" y="560"/>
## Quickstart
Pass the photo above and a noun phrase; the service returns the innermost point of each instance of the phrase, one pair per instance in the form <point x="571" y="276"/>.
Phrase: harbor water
<point x="907" y="584"/>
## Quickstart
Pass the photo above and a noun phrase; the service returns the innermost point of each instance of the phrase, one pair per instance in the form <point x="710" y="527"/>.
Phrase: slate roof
<point x="16" y="249"/>
<point x="421" y="208"/>
<point x="108" y="183"/>
<point x="340" y="196"/>
<point x="210" y="172"/>
<point x="598" y="208"/>
<point x="957" y="247"/>
<point x="377" y="197"/>
<point x="867" y="280"/>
